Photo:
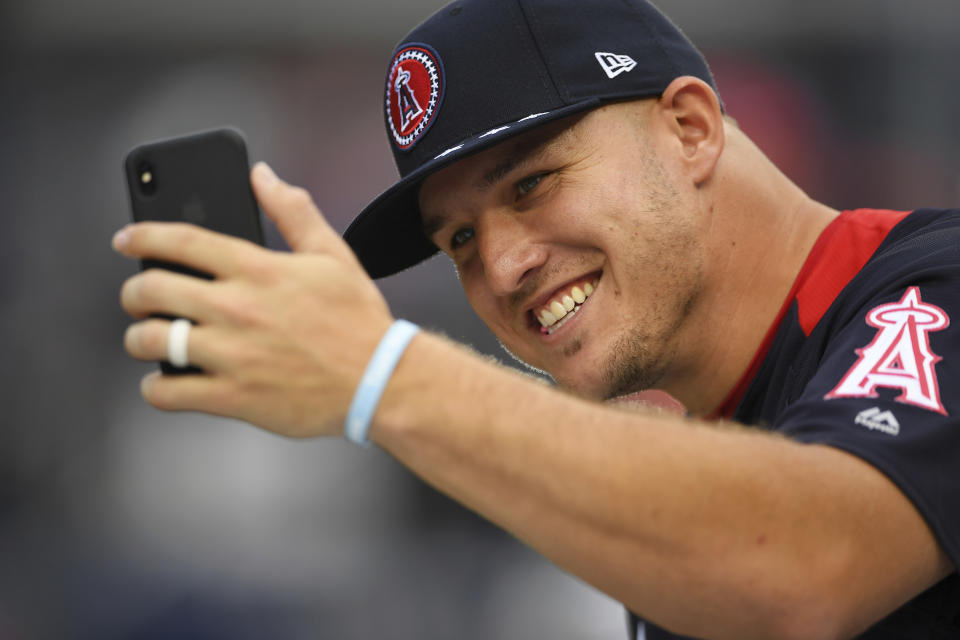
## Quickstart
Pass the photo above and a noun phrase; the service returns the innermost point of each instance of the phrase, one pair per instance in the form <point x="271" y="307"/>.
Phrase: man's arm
<point x="717" y="532"/>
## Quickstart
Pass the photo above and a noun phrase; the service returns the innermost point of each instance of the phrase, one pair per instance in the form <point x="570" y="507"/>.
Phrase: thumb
<point x="296" y="216"/>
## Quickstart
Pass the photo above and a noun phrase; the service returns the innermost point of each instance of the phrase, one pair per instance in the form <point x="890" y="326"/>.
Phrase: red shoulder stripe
<point x="842" y="249"/>
<point x="835" y="260"/>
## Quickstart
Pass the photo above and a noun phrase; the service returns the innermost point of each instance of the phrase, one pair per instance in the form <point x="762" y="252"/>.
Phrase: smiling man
<point x="613" y="227"/>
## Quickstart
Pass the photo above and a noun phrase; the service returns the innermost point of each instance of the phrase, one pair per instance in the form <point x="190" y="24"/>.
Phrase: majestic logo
<point x="614" y="64"/>
<point x="414" y="92"/>
<point x="899" y="356"/>
<point x="877" y="420"/>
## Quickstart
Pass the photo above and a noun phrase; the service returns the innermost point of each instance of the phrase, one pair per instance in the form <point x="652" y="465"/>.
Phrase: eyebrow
<point x="432" y="224"/>
<point x="523" y="153"/>
<point x="520" y="154"/>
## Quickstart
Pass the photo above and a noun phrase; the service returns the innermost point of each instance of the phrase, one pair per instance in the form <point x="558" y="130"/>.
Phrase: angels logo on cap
<point x="414" y="91"/>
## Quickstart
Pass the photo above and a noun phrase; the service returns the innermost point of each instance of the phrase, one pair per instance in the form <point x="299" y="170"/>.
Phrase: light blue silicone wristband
<point x="375" y="378"/>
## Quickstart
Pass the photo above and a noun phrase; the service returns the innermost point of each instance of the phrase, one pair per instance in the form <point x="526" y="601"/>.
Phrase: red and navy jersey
<point x="865" y="357"/>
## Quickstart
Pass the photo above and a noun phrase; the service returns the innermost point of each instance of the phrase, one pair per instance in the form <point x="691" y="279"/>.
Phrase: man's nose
<point x="509" y="251"/>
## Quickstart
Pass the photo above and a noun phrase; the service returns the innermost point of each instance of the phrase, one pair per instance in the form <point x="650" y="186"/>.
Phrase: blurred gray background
<point x="117" y="521"/>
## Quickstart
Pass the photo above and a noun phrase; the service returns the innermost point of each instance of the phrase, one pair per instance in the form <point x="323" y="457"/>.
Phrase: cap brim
<point x="388" y="237"/>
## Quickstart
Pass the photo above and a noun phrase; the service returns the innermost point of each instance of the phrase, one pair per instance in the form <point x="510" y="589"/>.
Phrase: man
<point x="612" y="227"/>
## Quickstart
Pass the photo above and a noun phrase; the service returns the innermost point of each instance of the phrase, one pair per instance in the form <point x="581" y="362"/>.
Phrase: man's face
<point x="579" y="219"/>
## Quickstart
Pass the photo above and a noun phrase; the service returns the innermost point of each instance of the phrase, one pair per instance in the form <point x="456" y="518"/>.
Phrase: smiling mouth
<point x="564" y="305"/>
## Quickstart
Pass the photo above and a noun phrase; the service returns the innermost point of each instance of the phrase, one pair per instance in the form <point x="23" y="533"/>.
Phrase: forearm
<point x="666" y="515"/>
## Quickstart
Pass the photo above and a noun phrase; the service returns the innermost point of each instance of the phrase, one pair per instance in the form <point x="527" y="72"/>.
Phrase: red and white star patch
<point x="414" y="92"/>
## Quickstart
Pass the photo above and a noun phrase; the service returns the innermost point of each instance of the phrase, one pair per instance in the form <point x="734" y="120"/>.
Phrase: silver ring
<point x="177" y="343"/>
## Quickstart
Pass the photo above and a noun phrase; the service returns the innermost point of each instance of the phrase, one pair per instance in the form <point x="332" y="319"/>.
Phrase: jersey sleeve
<point x="887" y="389"/>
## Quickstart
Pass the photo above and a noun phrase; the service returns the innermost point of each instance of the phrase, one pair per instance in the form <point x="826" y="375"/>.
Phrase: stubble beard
<point x="644" y="354"/>
<point x="639" y="359"/>
<point x="647" y="350"/>
<point x="641" y="356"/>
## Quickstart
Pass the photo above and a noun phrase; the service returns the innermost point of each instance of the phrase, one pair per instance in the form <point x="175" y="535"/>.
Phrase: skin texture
<point x="680" y="218"/>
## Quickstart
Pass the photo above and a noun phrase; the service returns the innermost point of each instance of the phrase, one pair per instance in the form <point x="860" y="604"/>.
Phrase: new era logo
<point x="877" y="420"/>
<point x="614" y="64"/>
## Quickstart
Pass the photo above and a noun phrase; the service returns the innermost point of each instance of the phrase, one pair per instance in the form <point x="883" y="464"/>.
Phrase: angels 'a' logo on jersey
<point x="899" y="356"/>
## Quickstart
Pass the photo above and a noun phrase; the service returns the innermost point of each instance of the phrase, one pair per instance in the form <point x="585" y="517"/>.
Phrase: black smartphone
<point x="202" y="178"/>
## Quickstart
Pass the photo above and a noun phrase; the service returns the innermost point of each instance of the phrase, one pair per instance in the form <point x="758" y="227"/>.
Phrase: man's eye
<point x="528" y="184"/>
<point x="461" y="237"/>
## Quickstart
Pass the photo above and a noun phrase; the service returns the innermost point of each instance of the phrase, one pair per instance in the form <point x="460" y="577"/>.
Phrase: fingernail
<point x="131" y="337"/>
<point x="121" y="239"/>
<point x="147" y="383"/>
<point x="264" y="174"/>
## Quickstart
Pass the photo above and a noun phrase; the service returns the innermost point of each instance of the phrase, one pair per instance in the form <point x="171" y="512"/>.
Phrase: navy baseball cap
<point x="481" y="71"/>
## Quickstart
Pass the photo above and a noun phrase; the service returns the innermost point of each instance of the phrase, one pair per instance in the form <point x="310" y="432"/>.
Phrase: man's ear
<point x="692" y="114"/>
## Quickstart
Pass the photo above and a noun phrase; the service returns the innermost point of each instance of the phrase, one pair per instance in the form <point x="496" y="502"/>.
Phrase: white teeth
<point x="557" y="309"/>
<point x="560" y="323"/>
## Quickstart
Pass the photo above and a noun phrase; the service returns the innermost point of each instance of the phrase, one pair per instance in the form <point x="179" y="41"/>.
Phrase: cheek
<point x="481" y="300"/>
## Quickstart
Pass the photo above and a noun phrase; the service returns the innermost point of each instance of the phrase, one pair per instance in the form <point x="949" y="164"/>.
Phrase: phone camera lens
<point x="146" y="179"/>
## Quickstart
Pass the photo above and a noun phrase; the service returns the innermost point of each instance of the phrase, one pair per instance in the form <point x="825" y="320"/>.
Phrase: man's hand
<point x="282" y="338"/>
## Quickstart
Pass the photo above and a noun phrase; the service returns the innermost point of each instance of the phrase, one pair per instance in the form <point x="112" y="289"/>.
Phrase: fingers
<point x="296" y="216"/>
<point x="223" y="388"/>
<point x="150" y="341"/>
<point x="273" y="331"/>
<point x="208" y="394"/>
<point x="291" y="209"/>
<point x="204" y="250"/>
<point x="166" y="292"/>
<point x="207" y="347"/>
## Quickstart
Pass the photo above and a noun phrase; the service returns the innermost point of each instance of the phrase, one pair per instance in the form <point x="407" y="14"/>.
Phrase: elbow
<point x="812" y="611"/>
<point x="825" y="595"/>
<point x="794" y="601"/>
<point x="807" y="623"/>
<point x="787" y="619"/>
<point x="777" y="612"/>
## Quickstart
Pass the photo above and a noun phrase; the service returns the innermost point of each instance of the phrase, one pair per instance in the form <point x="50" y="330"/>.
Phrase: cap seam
<point x="533" y="26"/>
<point x="655" y="37"/>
